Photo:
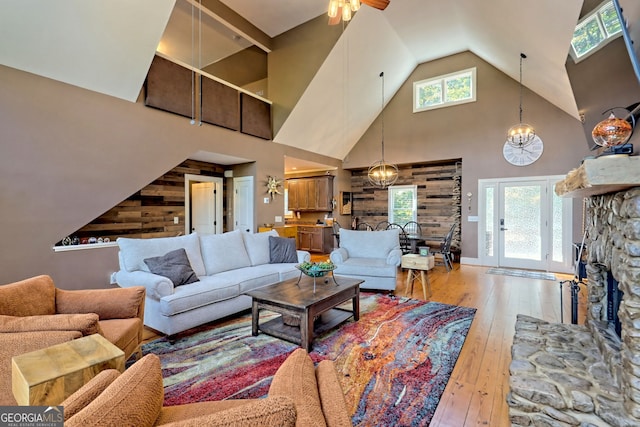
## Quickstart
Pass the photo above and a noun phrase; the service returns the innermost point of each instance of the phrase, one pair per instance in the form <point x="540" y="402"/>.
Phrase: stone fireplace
<point x="589" y="375"/>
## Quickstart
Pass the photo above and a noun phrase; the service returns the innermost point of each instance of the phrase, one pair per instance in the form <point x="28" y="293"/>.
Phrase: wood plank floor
<point x="476" y="393"/>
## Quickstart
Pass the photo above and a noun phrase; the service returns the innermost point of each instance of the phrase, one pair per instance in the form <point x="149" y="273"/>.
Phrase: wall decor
<point x="273" y="185"/>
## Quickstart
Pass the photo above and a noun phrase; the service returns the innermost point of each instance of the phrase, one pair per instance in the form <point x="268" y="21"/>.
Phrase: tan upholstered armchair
<point x="300" y="395"/>
<point x="34" y="314"/>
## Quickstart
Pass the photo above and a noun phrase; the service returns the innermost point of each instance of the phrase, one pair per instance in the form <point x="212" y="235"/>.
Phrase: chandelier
<point x="522" y="134"/>
<point x="342" y="9"/>
<point x="382" y="174"/>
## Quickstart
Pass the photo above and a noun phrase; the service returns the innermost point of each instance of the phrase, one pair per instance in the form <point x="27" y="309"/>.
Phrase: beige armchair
<point x="34" y="314"/>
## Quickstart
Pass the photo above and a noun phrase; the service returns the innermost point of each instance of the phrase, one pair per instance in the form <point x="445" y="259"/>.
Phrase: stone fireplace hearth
<point x="586" y="375"/>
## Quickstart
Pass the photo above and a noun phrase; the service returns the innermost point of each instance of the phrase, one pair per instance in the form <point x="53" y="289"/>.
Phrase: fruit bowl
<point x="316" y="269"/>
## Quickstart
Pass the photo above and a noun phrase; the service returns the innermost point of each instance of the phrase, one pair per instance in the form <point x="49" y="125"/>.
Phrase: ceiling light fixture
<point x="521" y="134"/>
<point x="342" y="9"/>
<point x="382" y="174"/>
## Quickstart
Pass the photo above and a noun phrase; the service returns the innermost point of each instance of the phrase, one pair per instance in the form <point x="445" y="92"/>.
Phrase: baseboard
<point x="470" y="261"/>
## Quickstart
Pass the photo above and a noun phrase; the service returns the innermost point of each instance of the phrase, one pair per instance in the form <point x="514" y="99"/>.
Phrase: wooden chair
<point x="404" y="241"/>
<point x="445" y="249"/>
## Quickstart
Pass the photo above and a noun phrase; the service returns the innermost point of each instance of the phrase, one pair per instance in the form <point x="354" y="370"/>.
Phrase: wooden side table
<point x="415" y="263"/>
<point x="47" y="376"/>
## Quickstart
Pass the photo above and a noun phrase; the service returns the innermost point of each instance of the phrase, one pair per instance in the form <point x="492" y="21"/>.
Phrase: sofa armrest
<point x="339" y="256"/>
<point x="157" y="286"/>
<point x="114" y="303"/>
<point x="394" y="257"/>
<point x="334" y="404"/>
<point x="303" y="256"/>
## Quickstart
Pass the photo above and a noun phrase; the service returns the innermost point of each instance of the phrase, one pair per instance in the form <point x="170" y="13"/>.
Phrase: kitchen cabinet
<point x="314" y="194"/>
<point x="315" y="238"/>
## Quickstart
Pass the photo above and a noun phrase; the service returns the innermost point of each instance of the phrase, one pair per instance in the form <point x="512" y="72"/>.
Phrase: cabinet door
<point x="294" y="189"/>
<point x="324" y="195"/>
<point x="310" y="185"/>
<point x="304" y="239"/>
<point x="317" y="240"/>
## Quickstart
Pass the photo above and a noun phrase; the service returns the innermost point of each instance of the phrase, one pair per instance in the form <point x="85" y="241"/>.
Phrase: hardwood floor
<point x="476" y="393"/>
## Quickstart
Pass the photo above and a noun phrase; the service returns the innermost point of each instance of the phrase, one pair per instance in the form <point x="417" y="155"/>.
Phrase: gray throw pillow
<point x="282" y="249"/>
<point x="174" y="265"/>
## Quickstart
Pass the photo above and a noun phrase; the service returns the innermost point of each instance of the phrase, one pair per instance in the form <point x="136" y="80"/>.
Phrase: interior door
<point x="203" y="207"/>
<point x="523" y="224"/>
<point x="243" y="203"/>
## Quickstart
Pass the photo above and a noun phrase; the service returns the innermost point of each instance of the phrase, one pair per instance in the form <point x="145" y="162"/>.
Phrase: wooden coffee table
<point x="48" y="376"/>
<point x="305" y="314"/>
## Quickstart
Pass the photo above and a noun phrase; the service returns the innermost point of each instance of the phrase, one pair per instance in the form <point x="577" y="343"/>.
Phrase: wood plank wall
<point x="150" y="211"/>
<point x="439" y="198"/>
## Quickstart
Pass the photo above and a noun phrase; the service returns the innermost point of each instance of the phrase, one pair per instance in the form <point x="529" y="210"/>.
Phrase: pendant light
<point x="382" y="174"/>
<point x="522" y="134"/>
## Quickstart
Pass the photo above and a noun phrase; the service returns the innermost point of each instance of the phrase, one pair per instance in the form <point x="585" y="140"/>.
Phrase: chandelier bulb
<point x="333" y="8"/>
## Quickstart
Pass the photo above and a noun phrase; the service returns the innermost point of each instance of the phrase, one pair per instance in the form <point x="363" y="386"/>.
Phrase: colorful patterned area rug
<point x="394" y="363"/>
<point x="522" y="273"/>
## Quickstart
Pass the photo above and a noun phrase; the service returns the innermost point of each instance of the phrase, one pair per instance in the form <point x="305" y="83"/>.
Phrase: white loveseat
<point x="373" y="256"/>
<point x="226" y="266"/>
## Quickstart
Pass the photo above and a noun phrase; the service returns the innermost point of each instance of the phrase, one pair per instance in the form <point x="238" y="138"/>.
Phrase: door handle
<point x="503" y="229"/>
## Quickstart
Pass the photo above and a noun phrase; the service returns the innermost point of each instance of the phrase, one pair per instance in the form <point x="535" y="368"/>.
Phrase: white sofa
<point x="227" y="265"/>
<point x="373" y="256"/>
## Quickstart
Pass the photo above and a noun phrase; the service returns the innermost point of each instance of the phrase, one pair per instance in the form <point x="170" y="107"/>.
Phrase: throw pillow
<point x="174" y="265"/>
<point x="282" y="249"/>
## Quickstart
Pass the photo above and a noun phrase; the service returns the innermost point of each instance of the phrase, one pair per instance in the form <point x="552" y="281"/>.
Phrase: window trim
<point x="442" y="79"/>
<point x="594" y="14"/>
<point x="414" y="208"/>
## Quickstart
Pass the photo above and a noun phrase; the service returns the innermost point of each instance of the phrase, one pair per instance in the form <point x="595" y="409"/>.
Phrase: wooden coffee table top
<point x="289" y="294"/>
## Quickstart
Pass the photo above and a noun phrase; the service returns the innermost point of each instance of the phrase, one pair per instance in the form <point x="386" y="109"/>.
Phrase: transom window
<point x="444" y="91"/>
<point x="595" y="30"/>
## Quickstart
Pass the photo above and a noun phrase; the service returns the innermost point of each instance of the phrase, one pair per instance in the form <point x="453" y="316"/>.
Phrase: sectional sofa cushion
<point x="133" y="252"/>
<point x="282" y="250"/>
<point x="223" y="252"/>
<point x="257" y="245"/>
<point x="174" y="265"/>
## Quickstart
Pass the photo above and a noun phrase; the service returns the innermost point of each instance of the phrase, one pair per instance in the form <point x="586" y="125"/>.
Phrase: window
<point x="444" y="91"/>
<point x="595" y="30"/>
<point x="403" y="202"/>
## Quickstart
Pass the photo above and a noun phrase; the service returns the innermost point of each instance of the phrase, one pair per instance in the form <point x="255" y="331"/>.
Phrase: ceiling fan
<point x="342" y="9"/>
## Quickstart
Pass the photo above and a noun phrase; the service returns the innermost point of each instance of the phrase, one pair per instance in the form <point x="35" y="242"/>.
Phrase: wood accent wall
<point x="150" y="212"/>
<point x="439" y="198"/>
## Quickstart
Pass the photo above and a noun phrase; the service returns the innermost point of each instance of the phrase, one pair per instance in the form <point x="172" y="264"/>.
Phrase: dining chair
<point x="445" y="249"/>
<point x="414" y="234"/>
<point x="382" y="225"/>
<point x="336" y="232"/>
<point x="363" y="226"/>
<point x="404" y="241"/>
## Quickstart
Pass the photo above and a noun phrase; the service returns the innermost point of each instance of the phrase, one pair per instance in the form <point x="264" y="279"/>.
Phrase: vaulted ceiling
<point x="108" y="46"/>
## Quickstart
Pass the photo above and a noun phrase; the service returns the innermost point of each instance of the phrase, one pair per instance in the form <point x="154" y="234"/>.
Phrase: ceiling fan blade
<point x="378" y="4"/>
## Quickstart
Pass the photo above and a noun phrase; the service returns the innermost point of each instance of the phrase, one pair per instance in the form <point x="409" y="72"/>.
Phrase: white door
<point x="525" y="225"/>
<point x="203" y="204"/>
<point x="243" y="203"/>
<point x="203" y="208"/>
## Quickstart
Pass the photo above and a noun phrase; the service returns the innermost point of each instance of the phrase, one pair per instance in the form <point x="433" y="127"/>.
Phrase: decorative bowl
<point x="314" y="270"/>
<point x="611" y="132"/>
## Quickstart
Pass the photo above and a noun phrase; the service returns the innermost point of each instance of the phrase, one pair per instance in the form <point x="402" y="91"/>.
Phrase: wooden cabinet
<point x="315" y="239"/>
<point x="313" y="194"/>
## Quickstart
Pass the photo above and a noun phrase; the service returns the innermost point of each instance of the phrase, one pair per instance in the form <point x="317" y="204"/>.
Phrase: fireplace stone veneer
<point x="575" y="375"/>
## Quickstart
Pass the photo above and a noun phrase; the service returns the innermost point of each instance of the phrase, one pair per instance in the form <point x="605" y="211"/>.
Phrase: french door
<point x="523" y="224"/>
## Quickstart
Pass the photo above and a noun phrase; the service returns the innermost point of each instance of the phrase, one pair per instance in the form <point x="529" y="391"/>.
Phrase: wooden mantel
<point x="605" y="174"/>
